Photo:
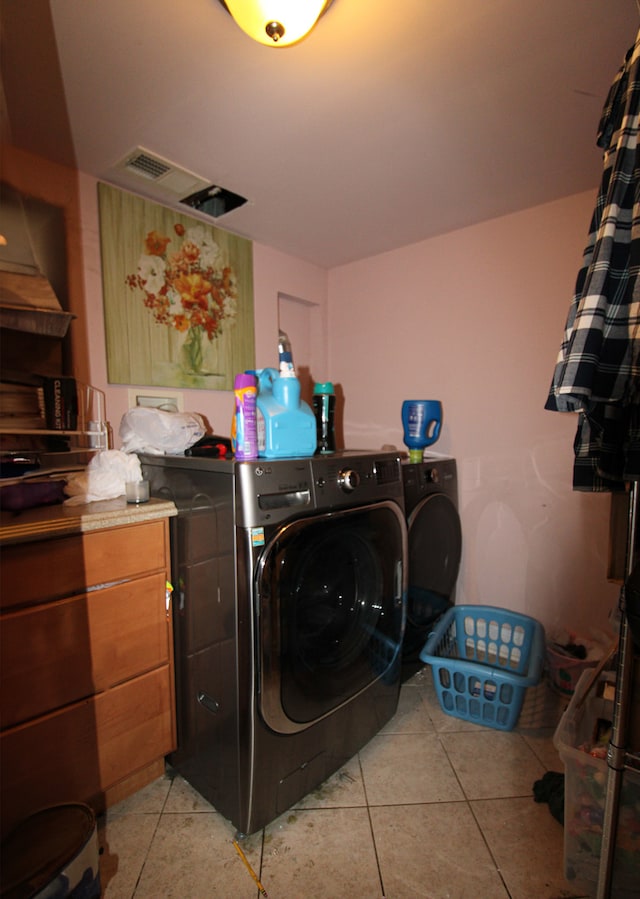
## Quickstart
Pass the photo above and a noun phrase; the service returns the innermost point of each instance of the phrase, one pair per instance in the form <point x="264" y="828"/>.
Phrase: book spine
<point x="61" y="403"/>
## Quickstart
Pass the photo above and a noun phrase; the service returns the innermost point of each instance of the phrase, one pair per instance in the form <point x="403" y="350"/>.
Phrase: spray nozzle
<point x="285" y="356"/>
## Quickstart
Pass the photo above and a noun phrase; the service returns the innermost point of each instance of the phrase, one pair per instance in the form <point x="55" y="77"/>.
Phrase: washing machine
<point x="435" y="547"/>
<point x="289" y="613"/>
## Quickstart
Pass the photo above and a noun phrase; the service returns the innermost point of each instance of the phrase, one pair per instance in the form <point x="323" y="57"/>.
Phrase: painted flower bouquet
<point x="191" y="290"/>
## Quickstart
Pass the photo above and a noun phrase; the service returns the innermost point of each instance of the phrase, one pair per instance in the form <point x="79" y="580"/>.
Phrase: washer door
<point x="330" y="595"/>
<point x="435" y="548"/>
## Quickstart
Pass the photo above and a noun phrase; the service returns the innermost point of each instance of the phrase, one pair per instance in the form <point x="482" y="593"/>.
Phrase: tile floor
<point x="432" y="808"/>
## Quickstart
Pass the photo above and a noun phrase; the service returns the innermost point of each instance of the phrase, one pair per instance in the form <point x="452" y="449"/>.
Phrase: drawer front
<point x="48" y="569"/>
<point x="61" y="652"/>
<point x="76" y="754"/>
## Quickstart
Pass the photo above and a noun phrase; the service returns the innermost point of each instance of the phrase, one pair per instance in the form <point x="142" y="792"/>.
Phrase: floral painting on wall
<point x="178" y="296"/>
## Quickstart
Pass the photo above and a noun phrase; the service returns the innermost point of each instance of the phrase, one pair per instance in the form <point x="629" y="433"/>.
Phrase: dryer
<point x="289" y="614"/>
<point x="435" y="548"/>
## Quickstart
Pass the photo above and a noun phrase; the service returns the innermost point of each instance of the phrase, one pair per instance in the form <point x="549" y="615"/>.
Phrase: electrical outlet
<point x="167" y="400"/>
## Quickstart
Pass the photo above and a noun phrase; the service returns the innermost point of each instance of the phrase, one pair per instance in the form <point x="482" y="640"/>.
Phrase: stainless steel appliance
<point x="289" y="616"/>
<point x="435" y="548"/>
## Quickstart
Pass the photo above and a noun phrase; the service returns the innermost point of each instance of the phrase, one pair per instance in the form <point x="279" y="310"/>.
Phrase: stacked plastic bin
<point x="582" y="738"/>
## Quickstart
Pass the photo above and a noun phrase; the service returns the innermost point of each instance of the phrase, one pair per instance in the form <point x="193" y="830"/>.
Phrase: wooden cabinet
<point x="86" y="667"/>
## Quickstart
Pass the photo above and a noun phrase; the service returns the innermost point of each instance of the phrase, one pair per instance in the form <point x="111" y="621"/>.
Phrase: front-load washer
<point x="289" y="611"/>
<point x="435" y="547"/>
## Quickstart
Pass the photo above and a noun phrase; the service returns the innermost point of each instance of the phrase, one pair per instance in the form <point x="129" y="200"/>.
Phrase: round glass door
<point x="330" y="595"/>
<point x="435" y="549"/>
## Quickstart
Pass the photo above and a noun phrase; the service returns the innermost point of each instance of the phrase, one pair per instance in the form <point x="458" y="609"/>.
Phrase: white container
<point x="137" y="491"/>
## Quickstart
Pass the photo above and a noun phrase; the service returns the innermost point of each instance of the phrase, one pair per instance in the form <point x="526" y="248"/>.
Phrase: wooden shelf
<point x="42" y="432"/>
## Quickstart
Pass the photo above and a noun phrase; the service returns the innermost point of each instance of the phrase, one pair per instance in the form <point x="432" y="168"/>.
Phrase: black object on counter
<point x="211" y="445"/>
<point x="30" y="494"/>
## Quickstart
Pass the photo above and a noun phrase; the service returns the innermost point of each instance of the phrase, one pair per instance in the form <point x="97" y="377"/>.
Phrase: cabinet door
<point x="84" y="749"/>
<point x="61" y="652"/>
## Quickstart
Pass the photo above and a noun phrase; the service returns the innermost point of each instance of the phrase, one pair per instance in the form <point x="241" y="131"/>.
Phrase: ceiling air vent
<point x="146" y="165"/>
<point x="172" y="181"/>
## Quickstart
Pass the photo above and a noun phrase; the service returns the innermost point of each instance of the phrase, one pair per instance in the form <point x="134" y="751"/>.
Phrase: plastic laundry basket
<point x="483" y="658"/>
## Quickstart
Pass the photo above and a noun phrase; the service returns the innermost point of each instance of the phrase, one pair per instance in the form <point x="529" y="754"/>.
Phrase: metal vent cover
<point x="174" y="181"/>
<point x="148" y="166"/>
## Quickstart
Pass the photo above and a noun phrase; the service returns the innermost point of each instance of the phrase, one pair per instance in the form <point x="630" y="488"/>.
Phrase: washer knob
<point x="348" y="479"/>
<point x="432" y="475"/>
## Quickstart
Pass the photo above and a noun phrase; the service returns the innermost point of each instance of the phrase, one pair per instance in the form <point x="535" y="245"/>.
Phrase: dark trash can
<point x="52" y="854"/>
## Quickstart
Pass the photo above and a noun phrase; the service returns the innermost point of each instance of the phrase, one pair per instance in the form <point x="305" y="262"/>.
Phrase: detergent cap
<point x="245" y="379"/>
<point x="323" y="387"/>
<point x="286" y="366"/>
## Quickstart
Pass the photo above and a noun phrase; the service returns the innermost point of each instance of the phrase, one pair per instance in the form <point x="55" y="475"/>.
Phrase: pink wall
<point x="475" y="318"/>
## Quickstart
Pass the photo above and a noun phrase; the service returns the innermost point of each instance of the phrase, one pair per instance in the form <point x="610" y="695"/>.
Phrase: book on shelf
<point x="60" y="403"/>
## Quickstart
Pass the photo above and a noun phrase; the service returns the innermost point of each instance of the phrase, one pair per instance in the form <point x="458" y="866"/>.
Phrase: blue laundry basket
<point x="483" y="658"/>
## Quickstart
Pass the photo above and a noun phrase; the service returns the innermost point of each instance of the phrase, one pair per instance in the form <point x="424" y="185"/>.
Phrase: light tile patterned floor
<point x="432" y="808"/>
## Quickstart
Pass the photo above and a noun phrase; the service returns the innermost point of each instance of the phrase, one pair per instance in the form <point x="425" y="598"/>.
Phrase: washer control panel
<point x="269" y="491"/>
<point x="421" y="479"/>
<point x="349" y="479"/>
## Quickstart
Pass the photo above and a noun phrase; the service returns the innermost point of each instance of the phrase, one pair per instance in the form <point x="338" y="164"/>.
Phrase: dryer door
<point x="435" y="548"/>
<point x="330" y="603"/>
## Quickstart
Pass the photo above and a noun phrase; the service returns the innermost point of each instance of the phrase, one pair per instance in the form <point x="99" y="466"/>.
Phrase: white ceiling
<point x="395" y="121"/>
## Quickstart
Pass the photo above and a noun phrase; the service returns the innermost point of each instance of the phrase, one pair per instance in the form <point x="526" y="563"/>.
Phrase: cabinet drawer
<point x="57" y="653"/>
<point x="79" y="752"/>
<point x="36" y="572"/>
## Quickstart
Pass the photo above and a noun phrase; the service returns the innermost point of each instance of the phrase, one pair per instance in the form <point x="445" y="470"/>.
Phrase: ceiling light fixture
<point x="276" y="23"/>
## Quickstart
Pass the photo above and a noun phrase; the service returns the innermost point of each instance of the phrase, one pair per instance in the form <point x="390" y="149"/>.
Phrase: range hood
<point x="28" y="301"/>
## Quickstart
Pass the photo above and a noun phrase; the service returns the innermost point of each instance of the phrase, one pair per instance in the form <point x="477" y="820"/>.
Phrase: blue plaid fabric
<point x="597" y="372"/>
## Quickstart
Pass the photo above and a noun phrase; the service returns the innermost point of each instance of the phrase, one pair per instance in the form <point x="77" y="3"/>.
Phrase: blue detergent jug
<point x="286" y="424"/>
<point x="421" y="422"/>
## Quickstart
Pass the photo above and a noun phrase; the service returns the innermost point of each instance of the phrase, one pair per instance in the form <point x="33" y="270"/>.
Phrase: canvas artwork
<point x="178" y="296"/>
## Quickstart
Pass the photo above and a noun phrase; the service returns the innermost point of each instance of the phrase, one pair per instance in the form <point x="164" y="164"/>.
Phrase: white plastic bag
<point x="145" y="429"/>
<point x="104" y="477"/>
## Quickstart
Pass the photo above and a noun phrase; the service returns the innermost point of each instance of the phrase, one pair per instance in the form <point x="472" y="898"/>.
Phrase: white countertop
<point x="60" y="520"/>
